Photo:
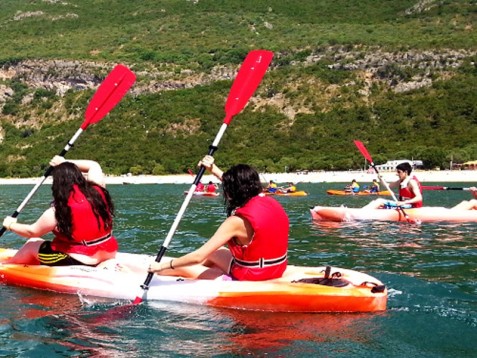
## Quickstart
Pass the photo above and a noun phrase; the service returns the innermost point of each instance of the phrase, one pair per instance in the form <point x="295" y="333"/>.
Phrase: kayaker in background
<point x="81" y="219"/>
<point x="374" y="188"/>
<point x="272" y="187"/>
<point x="291" y="188"/>
<point x="353" y="187"/>
<point x="468" y="204"/>
<point x="211" y="187"/>
<point x="410" y="191"/>
<point x="255" y="231"/>
<point x="200" y="187"/>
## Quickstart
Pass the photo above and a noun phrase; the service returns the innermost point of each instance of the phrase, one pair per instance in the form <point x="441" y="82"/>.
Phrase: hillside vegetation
<point x="401" y="76"/>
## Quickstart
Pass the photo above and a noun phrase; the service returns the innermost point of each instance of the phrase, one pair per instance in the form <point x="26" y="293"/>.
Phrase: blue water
<point x="430" y="271"/>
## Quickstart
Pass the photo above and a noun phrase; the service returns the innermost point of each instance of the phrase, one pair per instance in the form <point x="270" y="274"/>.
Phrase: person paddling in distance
<point x="374" y="188"/>
<point x="272" y="187"/>
<point x="80" y="218"/>
<point x="291" y="188"/>
<point x="468" y="204"/>
<point x="353" y="187"/>
<point x="211" y="187"/>
<point x="410" y="191"/>
<point x="255" y="231"/>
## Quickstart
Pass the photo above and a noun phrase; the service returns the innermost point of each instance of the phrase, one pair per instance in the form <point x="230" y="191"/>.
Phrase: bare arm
<point x="45" y="224"/>
<point x="415" y="189"/>
<point x="94" y="172"/>
<point x="394" y="184"/>
<point x="233" y="226"/>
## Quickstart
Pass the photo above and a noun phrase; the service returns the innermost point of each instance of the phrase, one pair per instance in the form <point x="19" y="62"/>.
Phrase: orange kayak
<point x="295" y="193"/>
<point x="300" y="289"/>
<point x="343" y="192"/>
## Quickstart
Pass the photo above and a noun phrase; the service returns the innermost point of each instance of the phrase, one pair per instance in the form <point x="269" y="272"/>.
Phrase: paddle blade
<point x="246" y="82"/>
<point x="108" y="94"/>
<point x="363" y="150"/>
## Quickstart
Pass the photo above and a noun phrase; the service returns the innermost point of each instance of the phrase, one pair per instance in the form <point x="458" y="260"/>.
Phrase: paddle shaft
<point x="184" y="206"/>
<point x="436" y="187"/>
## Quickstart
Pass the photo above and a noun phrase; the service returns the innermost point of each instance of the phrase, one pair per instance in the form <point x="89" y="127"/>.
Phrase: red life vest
<point x="211" y="188"/>
<point x="88" y="238"/>
<point x="265" y="257"/>
<point x="405" y="193"/>
<point x="199" y="187"/>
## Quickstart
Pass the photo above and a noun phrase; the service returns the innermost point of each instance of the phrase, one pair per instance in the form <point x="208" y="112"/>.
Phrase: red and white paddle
<point x="437" y="187"/>
<point x="106" y="97"/>
<point x="248" y="78"/>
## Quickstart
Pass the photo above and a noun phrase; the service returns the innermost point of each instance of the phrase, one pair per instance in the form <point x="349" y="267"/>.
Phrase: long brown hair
<point x="65" y="177"/>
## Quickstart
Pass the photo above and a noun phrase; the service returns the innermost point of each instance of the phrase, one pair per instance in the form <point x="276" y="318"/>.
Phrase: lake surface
<point x="429" y="269"/>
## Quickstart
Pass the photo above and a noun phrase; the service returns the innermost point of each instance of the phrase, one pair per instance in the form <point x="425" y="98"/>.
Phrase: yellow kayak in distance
<point x="295" y="193"/>
<point x="360" y="193"/>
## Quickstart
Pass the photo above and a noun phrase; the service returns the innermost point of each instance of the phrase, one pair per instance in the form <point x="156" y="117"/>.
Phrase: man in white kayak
<point x="410" y="191"/>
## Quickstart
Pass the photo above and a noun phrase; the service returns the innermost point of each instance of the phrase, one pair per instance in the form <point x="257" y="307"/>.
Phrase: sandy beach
<point x="443" y="176"/>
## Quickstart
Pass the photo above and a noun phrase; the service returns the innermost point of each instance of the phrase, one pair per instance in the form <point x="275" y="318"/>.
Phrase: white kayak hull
<point x="122" y="277"/>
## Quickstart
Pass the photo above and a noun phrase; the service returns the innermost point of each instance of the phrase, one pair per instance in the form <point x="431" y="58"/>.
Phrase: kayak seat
<point x="333" y="280"/>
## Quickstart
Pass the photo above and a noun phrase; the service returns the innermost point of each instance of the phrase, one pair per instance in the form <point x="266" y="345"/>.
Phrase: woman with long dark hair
<point x="81" y="219"/>
<point x="255" y="231"/>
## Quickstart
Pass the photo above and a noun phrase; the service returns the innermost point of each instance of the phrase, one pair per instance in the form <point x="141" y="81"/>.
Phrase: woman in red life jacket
<point x="410" y="191"/>
<point x="81" y="219"/>
<point x="211" y="187"/>
<point x="200" y="187"/>
<point x="255" y="231"/>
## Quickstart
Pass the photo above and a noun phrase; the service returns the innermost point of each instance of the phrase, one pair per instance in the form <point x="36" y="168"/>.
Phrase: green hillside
<point x="401" y="76"/>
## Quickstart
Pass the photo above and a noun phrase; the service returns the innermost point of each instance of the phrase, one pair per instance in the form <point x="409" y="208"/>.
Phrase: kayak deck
<point x="424" y="214"/>
<point x="360" y="193"/>
<point x="121" y="279"/>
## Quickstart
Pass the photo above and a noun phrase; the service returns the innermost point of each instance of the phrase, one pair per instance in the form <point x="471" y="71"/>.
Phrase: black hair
<point x="65" y="176"/>
<point x="405" y="167"/>
<point x="240" y="183"/>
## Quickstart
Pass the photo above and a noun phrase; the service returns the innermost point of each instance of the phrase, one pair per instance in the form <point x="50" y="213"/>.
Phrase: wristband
<point x="170" y="265"/>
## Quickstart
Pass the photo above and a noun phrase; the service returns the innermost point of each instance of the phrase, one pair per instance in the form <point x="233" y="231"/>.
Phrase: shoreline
<point x="433" y="176"/>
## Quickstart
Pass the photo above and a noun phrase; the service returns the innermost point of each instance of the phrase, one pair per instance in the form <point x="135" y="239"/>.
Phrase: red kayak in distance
<point x="203" y="193"/>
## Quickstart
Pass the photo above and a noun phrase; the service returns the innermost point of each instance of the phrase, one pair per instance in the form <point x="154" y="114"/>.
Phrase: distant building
<point x="471" y="165"/>
<point x="390" y="165"/>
